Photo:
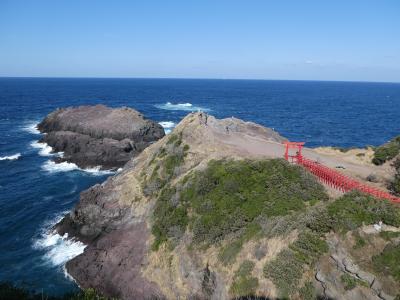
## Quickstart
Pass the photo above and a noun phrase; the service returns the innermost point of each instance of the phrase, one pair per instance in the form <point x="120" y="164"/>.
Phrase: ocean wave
<point x="53" y="167"/>
<point x="181" y="106"/>
<point x="31" y="127"/>
<point x="168" y="126"/>
<point x="11" y="157"/>
<point x="59" y="249"/>
<point x="44" y="149"/>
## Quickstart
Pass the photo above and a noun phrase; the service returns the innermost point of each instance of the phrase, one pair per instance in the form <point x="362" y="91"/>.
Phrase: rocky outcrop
<point x="116" y="220"/>
<point x="93" y="136"/>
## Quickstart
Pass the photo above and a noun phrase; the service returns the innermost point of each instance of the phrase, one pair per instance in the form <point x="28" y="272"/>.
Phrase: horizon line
<point x="194" y="78"/>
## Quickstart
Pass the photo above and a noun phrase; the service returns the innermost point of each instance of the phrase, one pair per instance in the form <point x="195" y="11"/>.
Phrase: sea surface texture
<point x="35" y="193"/>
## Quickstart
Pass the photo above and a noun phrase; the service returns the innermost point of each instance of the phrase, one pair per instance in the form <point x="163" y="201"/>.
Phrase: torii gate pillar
<point x="294" y="145"/>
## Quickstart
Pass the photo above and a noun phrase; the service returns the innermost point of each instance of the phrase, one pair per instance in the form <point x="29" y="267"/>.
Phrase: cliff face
<point x="98" y="135"/>
<point x="209" y="212"/>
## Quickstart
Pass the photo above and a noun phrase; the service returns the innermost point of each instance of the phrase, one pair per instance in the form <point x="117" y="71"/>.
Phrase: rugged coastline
<point x="92" y="136"/>
<point x="147" y="235"/>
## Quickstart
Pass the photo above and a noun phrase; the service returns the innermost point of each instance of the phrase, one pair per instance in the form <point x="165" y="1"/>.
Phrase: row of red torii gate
<point x="330" y="176"/>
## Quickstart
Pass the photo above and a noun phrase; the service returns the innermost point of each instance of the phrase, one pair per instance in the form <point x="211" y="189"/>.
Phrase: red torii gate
<point x="332" y="177"/>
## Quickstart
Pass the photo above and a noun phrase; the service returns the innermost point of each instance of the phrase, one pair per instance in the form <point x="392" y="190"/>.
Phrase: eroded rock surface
<point x="116" y="219"/>
<point x="98" y="135"/>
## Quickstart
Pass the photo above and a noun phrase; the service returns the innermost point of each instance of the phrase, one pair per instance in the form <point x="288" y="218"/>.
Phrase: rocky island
<point x="212" y="211"/>
<point x="92" y="136"/>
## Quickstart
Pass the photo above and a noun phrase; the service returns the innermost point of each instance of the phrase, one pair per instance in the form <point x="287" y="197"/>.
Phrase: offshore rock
<point x="98" y="135"/>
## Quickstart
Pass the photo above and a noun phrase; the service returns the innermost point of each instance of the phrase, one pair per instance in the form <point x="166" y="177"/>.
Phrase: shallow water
<point x="35" y="193"/>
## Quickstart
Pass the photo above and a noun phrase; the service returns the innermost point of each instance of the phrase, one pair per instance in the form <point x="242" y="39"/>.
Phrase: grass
<point x="288" y="267"/>
<point x="350" y="282"/>
<point x="387" y="151"/>
<point x="228" y="197"/>
<point x="359" y="241"/>
<point x="166" y="164"/>
<point x="307" y="292"/>
<point x="387" y="262"/>
<point x="354" y="209"/>
<point x="389" y="235"/>
<point x="394" y="186"/>
<point x="244" y="284"/>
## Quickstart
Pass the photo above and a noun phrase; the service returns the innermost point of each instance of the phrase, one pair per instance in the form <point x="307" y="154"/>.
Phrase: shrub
<point x="244" y="284"/>
<point x="387" y="151"/>
<point x="170" y="218"/>
<point x="355" y="209"/>
<point x="349" y="282"/>
<point x="388" y="235"/>
<point x="359" y="241"/>
<point x="309" y="247"/>
<point x="387" y="262"/>
<point x="287" y="268"/>
<point x="229" y="195"/>
<point x="285" y="271"/>
<point x="307" y="292"/>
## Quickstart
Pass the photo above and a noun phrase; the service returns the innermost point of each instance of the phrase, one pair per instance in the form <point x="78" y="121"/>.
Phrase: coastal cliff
<point x="91" y="136"/>
<point x="211" y="211"/>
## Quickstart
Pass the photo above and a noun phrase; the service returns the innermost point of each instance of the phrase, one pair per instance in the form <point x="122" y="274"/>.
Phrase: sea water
<point x="35" y="192"/>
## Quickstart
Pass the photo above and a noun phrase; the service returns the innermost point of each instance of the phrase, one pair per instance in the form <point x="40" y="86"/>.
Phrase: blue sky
<point x="312" y="40"/>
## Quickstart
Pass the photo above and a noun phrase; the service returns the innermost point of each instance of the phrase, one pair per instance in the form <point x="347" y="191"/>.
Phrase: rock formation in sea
<point x="98" y="135"/>
<point x="212" y="211"/>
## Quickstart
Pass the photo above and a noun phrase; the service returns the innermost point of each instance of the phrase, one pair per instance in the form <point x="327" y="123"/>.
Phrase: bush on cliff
<point x="355" y="209"/>
<point x="387" y="151"/>
<point x="228" y="197"/>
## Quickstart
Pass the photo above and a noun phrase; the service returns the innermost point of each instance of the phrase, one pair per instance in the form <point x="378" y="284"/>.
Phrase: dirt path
<point x="256" y="145"/>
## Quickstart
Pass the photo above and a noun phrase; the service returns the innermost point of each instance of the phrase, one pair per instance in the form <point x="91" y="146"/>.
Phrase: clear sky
<point x="261" y="39"/>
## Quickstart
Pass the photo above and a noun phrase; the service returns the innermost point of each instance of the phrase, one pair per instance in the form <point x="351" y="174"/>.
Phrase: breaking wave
<point x="11" y="157"/>
<point x="31" y="128"/>
<point x="181" y="106"/>
<point x="168" y="126"/>
<point x="44" y="149"/>
<point x="53" y="167"/>
<point x="59" y="249"/>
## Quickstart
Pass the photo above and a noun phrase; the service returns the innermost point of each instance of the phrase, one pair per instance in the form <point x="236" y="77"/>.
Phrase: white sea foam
<point x="11" y="157"/>
<point x="31" y="127"/>
<point x="53" y="167"/>
<point x="59" y="249"/>
<point x="181" y="106"/>
<point x="168" y="126"/>
<point x="44" y="149"/>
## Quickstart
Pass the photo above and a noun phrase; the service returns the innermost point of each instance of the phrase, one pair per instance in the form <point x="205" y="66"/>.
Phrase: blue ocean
<point x="35" y="193"/>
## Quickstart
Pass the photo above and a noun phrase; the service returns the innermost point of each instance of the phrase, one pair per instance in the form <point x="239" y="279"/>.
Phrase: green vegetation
<point x="11" y="292"/>
<point x="227" y="199"/>
<point x="394" y="186"/>
<point x="359" y="241"/>
<point x="307" y="292"/>
<point x="229" y="252"/>
<point x="389" y="235"/>
<point x="288" y="267"/>
<point x="229" y="195"/>
<point x="387" y="262"/>
<point x="387" y="151"/>
<point x="355" y="209"/>
<point x="244" y="284"/>
<point x="166" y="164"/>
<point x="350" y="282"/>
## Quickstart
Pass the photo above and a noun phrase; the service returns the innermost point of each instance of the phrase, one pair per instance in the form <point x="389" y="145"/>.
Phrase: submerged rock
<point x="98" y="135"/>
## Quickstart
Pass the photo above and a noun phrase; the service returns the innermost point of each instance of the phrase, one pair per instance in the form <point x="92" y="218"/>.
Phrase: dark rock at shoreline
<point x="98" y="135"/>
